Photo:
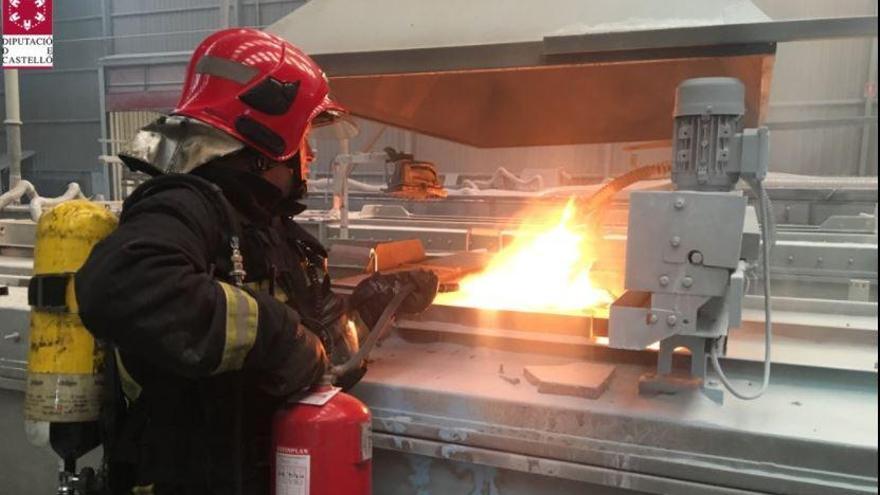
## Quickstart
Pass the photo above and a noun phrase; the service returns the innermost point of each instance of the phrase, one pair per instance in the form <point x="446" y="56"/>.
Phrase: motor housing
<point x="708" y="116"/>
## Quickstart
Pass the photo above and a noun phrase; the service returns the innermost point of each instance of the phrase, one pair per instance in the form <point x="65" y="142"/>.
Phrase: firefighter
<point x="217" y="303"/>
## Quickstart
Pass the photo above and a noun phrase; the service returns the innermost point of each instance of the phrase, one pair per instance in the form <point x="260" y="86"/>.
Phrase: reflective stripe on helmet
<point x="241" y="328"/>
<point x="227" y="69"/>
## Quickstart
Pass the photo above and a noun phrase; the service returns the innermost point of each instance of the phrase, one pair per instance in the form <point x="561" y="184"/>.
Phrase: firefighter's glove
<point x="373" y="294"/>
<point x="342" y="341"/>
<point x="345" y="342"/>
<point x="331" y="324"/>
<point x="339" y="335"/>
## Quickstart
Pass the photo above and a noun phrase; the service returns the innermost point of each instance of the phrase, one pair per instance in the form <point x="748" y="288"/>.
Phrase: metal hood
<point x="495" y="73"/>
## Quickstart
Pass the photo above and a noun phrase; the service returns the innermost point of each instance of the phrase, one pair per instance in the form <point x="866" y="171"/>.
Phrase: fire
<point x="545" y="269"/>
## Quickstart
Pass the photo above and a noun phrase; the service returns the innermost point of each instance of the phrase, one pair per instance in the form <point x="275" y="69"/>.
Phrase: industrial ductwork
<point x="492" y="73"/>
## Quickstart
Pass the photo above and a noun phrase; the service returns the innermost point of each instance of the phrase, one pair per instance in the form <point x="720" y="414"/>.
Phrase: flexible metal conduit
<point x="605" y="193"/>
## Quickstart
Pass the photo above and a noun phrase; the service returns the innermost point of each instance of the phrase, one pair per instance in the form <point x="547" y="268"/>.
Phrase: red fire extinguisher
<point x="322" y="443"/>
<point x="322" y="446"/>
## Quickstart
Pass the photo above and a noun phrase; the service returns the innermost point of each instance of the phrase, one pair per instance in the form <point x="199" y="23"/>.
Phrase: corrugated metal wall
<point x="822" y="80"/>
<point x="59" y="107"/>
<point x="152" y="26"/>
<point x="818" y="94"/>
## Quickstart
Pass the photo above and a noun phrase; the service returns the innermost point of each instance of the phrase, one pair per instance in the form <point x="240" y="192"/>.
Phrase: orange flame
<point x="545" y="269"/>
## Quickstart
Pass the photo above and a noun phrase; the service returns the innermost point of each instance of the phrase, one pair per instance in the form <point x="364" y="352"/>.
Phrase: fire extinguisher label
<point x="366" y="441"/>
<point x="292" y="475"/>
<point x="321" y="397"/>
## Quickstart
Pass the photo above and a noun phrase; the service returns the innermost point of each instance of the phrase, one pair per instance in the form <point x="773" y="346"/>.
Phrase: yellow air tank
<point x="64" y="381"/>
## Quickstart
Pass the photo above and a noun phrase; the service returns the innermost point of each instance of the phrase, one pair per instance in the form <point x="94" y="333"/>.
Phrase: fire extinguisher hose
<point x="377" y="333"/>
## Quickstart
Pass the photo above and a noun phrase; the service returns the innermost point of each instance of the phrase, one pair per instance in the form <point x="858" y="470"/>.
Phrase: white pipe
<point x="14" y="195"/>
<point x="37" y="203"/>
<point x="73" y="192"/>
<point x="13" y="126"/>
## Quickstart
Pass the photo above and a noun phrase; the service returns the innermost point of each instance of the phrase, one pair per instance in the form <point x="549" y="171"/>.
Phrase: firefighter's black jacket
<point x="205" y="363"/>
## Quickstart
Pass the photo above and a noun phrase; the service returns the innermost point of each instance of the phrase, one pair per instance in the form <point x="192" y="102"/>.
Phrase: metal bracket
<point x="753" y="148"/>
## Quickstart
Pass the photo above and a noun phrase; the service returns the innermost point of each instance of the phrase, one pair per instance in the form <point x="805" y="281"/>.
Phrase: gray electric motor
<point x="708" y="116"/>
<point x="688" y="250"/>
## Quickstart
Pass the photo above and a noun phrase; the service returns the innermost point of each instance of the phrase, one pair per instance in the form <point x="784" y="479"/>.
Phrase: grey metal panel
<point x="819" y="79"/>
<point x="127" y="77"/>
<point x="269" y="11"/>
<point x="75" y="43"/>
<point x="248" y="15"/>
<point x="165" y="75"/>
<point x="404" y="37"/>
<point x="160" y="22"/>
<point x="872" y="153"/>
<point x="787" y="443"/>
<point x="801" y="78"/>
<point x="273" y="11"/>
<point x="810" y="74"/>
<point x="71" y="147"/>
<point x="163" y="31"/>
<point x="402" y="472"/>
<point x="79" y="8"/>
<point x="398" y="25"/>
<point x="63" y="145"/>
<point x="42" y="100"/>
<point x="82" y="52"/>
<point x="123" y="6"/>
<point x="691" y="218"/>
<point x="404" y="465"/>
<point x="54" y="182"/>
<point x="719" y="34"/>
<point x="833" y="151"/>
<point x="167" y="42"/>
<point x="81" y="27"/>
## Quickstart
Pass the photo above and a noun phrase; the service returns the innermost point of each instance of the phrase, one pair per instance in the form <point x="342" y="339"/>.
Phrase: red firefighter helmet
<point x="258" y="88"/>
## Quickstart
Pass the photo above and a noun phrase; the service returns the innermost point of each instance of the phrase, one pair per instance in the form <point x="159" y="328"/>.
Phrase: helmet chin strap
<point x="250" y="161"/>
<point x="298" y="185"/>
<point x="299" y="189"/>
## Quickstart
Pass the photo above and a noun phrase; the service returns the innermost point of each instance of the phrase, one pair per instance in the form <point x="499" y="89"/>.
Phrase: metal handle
<point x="377" y="333"/>
<point x="14" y="336"/>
